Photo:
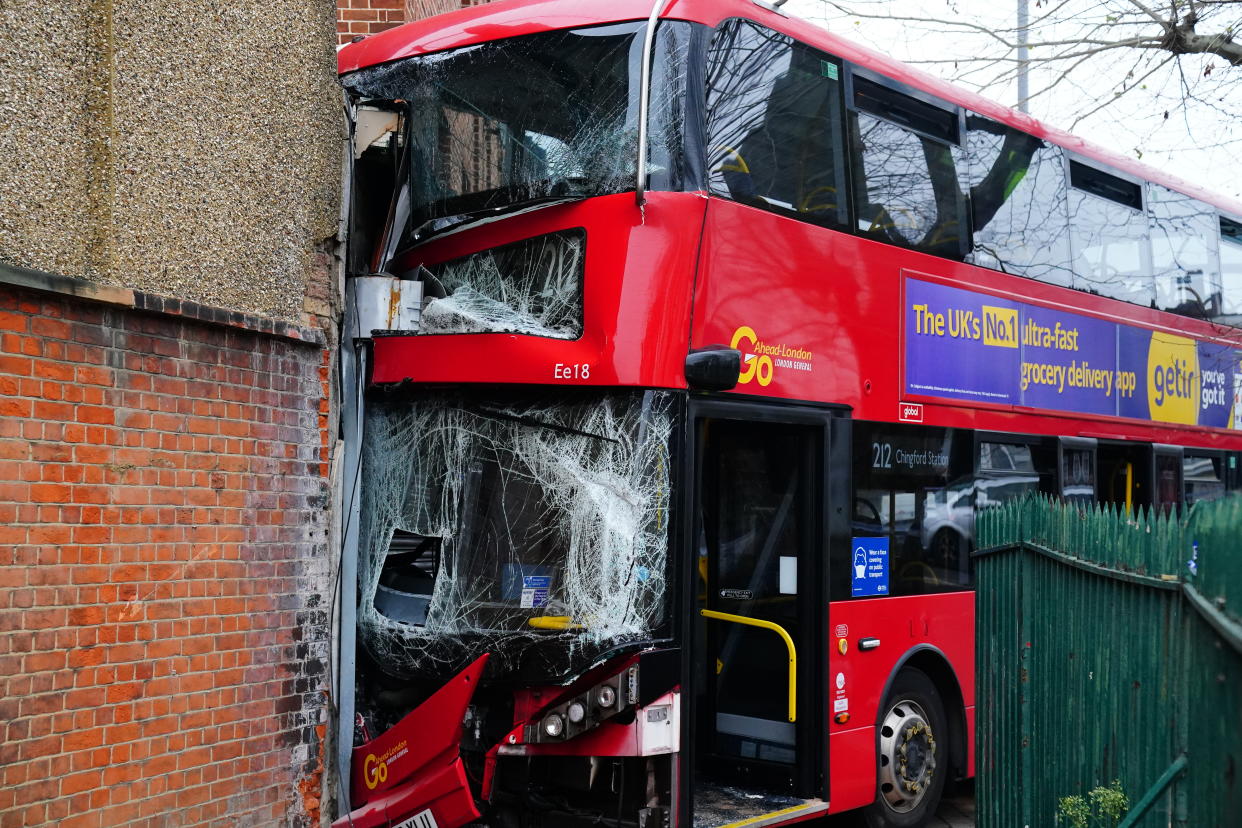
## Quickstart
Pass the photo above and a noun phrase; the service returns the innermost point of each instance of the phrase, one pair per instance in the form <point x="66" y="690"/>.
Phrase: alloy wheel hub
<point x="907" y="756"/>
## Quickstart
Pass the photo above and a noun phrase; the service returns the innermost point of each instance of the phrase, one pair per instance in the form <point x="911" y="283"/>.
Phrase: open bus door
<point x="1125" y="474"/>
<point x="758" y="606"/>
<point x="1134" y="475"/>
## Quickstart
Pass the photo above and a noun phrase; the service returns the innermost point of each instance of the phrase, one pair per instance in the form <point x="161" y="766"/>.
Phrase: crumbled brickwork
<point x="164" y="570"/>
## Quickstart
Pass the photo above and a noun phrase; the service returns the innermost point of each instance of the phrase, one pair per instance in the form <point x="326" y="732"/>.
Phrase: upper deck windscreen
<point x="507" y="123"/>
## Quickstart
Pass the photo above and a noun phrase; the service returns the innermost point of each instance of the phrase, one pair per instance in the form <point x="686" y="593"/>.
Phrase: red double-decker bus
<point x="703" y="336"/>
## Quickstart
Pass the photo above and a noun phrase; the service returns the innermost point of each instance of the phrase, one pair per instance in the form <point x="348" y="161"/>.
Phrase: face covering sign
<point x="965" y="345"/>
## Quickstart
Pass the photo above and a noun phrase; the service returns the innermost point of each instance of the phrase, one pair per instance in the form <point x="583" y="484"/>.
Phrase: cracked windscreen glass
<point x="501" y="522"/>
<point x="527" y="120"/>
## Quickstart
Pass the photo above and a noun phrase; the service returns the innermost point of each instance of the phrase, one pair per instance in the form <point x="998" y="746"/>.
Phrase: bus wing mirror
<point x="714" y="368"/>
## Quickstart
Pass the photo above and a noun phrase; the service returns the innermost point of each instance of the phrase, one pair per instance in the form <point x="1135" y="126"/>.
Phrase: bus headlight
<point x="576" y="712"/>
<point x="605" y="696"/>
<point x="553" y="725"/>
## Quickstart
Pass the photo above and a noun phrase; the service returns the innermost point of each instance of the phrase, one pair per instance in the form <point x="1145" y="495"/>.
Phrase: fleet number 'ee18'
<point x="571" y="370"/>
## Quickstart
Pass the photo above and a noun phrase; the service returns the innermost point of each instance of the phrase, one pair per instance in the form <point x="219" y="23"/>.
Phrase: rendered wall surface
<point x="185" y="149"/>
<point x="165" y="566"/>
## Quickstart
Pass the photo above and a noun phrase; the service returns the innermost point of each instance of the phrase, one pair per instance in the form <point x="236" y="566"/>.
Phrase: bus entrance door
<point x="759" y="530"/>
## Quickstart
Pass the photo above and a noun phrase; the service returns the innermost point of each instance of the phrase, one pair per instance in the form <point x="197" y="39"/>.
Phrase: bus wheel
<point x="913" y="754"/>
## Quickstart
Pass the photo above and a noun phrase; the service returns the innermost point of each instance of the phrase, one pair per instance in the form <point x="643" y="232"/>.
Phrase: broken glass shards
<point x="513" y="123"/>
<point x="529" y="287"/>
<point x="489" y="525"/>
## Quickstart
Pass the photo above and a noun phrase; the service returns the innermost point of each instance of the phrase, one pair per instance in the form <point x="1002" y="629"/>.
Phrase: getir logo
<point x="1173" y="379"/>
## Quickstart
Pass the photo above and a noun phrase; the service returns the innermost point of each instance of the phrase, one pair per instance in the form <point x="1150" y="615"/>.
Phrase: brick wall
<point x="364" y="17"/>
<point x="164" y="576"/>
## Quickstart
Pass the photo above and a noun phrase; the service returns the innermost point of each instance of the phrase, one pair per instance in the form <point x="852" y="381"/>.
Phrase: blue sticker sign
<point x="535" y="591"/>
<point x="868" y="566"/>
<point x="964" y="345"/>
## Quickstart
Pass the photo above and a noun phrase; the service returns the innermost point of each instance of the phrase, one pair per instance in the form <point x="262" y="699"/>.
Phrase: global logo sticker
<point x="760" y="359"/>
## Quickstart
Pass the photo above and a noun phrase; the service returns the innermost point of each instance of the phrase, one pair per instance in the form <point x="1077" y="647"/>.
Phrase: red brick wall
<point x="164" y="578"/>
<point x="364" y="17"/>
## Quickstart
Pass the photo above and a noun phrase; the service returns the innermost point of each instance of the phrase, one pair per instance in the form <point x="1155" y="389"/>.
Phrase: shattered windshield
<point x="493" y="523"/>
<point x="531" y="287"/>
<point x="528" y="119"/>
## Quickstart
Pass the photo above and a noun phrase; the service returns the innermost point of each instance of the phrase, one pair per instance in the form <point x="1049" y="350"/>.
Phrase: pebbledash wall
<point x="169" y="300"/>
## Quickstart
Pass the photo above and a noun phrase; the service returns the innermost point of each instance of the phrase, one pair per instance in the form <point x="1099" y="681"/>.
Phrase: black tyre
<point x="913" y="758"/>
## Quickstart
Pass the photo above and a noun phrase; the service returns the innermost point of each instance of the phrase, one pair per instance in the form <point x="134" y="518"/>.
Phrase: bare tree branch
<point x="1109" y="101"/>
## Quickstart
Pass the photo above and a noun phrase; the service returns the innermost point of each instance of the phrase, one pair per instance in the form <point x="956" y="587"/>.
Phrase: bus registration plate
<point x="423" y="819"/>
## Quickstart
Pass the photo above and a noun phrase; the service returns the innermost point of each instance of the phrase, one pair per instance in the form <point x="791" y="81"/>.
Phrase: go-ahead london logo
<point x="760" y="359"/>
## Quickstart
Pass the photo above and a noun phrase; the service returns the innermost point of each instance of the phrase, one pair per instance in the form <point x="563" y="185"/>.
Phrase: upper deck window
<point x="1017" y="202"/>
<point x="1183" y="250"/>
<point x="920" y="116"/>
<point x="775" y="136"/>
<point x="1231" y="268"/>
<point x="906" y="186"/>
<point x="1105" y="185"/>
<point x="1108" y="236"/>
<point x="509" y="123"/>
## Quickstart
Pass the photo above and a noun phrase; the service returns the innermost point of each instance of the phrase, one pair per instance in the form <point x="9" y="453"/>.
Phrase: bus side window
<point x="1231" y="471"/>
<point x="1017" y="202"/>
<point x="775" y="135"/>
<point x="1183" y="250"/>
<point x="1203" y="478"/>
<point x="1077" y="482"/>
<point x="1168" y="475"/>
<point x="1231" y="270"/>
<point x="1008" y="471"/>
<point x="913" y="485"/>
<point x="1108" y="236"/>
<point x="906" y="186"/>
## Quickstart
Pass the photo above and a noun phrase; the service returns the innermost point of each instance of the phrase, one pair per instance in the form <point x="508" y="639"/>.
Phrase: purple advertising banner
<point x="964" y="345"/>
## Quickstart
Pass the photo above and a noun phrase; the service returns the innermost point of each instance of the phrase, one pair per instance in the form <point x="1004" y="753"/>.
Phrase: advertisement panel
<point x="965" y="345"/>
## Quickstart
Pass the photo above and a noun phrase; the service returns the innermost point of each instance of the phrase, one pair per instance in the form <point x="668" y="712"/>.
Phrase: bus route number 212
<point x="571" y="370"/>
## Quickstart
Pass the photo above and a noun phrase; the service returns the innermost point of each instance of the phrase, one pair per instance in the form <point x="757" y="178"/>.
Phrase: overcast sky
<point x="1194" y="144"/>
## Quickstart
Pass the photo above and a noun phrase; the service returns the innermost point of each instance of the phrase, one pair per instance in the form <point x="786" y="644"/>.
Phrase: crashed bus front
<point x="519" y="423"/>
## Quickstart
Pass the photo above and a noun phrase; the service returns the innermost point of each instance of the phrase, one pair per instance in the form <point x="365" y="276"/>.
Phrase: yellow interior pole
<point x="1129" y="487"/>
<point x="789" y="645"/>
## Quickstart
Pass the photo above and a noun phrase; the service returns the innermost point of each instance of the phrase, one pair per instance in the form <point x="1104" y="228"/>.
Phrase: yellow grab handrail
<point x="789" y="645"/>
<point x="553" y="622"/>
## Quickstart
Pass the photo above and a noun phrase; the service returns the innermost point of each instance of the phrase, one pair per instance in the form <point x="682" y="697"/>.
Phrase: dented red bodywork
<point x="417" y="765"/>
<point x="641" y="276"/>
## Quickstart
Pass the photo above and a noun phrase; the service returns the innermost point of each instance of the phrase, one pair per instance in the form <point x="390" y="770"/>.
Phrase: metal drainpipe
<point x="353" y="358"/>
<point x="644" y="100"/>
<point x="353" y="369"/>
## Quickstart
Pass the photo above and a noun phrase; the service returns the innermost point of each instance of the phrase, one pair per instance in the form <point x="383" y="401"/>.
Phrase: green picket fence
<point x="1109" y="648"/>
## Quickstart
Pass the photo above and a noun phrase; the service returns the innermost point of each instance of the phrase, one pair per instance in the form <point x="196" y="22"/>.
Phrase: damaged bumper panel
<point x="494" y="521"/>
<point x="414" y="771"/>
<point x="438" y="799"/>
